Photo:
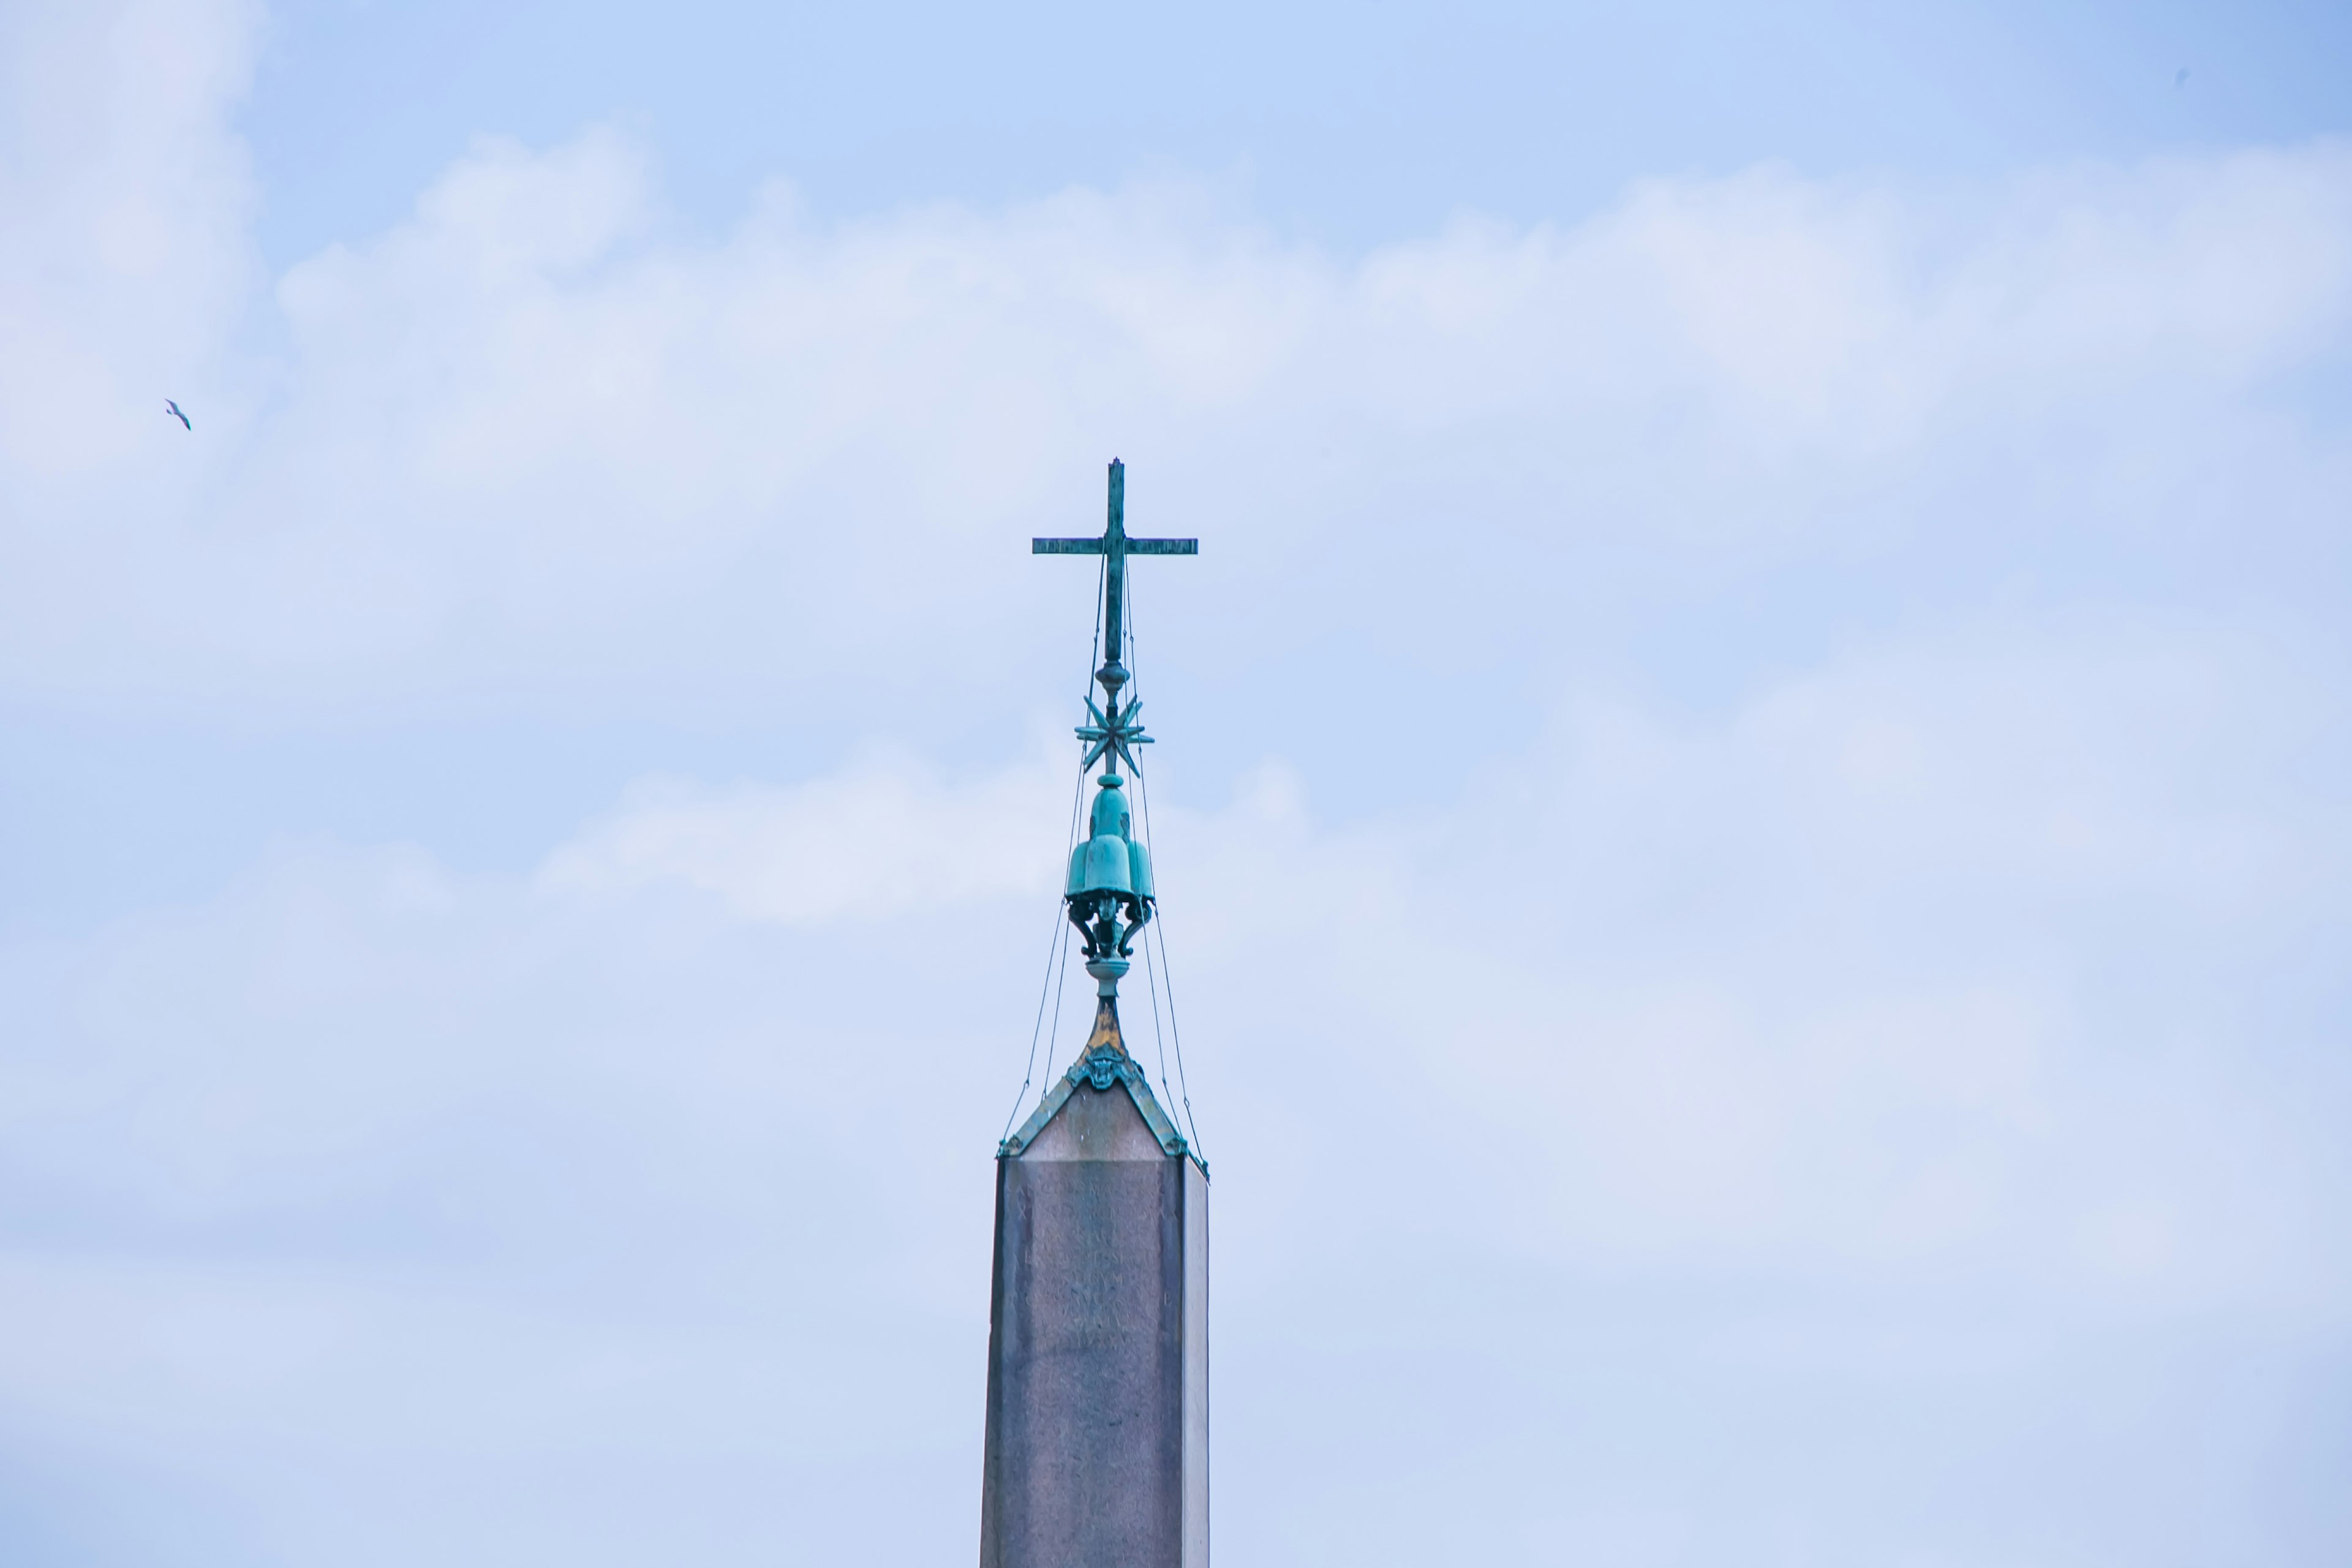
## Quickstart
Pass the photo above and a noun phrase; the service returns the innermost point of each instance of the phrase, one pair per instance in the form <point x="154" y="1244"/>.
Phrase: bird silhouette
<point x="174" y="410"/>
<point x="2180" y="79"/>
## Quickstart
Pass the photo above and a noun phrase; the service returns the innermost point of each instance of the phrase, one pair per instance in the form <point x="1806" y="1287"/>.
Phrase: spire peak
<point x="1106" y="1035"/>
<point x="1108" y="892"/>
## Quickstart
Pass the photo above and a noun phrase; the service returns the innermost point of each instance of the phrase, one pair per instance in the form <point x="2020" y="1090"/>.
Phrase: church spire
<point x="1097" y="1436"/>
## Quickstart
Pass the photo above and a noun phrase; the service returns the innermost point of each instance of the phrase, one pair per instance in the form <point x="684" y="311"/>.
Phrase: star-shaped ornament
<point x="1113" y="735"/>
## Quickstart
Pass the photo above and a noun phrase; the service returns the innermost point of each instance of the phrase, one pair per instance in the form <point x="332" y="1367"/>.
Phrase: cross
<point x="1117" y="546"/>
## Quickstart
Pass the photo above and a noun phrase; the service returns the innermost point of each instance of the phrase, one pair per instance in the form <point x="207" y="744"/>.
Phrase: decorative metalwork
<point x="1109" y="894"/>
<point x="1104" y="1066"/>
<point x="1113" y="732"/>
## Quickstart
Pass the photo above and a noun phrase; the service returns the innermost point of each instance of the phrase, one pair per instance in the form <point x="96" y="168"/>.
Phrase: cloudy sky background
<point x="1753" y="800"/>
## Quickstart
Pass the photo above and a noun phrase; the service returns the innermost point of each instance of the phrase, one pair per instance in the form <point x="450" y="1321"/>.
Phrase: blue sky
<point x="1353" y="124"/>
<point x="1751" y="791"/>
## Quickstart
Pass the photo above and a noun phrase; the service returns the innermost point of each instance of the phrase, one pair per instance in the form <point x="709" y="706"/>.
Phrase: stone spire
<point x="1097" y="1439"/>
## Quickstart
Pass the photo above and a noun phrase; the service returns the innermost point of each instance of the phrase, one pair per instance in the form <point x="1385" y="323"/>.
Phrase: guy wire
<point x="1059" y="943"/>
<point x="1159" y="924"/>
<point x="1176" y="1035"/>
<point x="1151" y="973"/>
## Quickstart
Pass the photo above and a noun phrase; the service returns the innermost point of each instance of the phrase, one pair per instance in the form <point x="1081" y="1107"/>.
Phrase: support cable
<point x="1158" y="926"/>
<point x="1056" y="964"/>
<point x="1150" y="971"/>
<point x="1057" y="949"/>
<point x="1175" y="1034"/>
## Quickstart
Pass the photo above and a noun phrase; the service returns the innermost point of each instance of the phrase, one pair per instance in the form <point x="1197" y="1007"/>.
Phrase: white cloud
<point x="125" y="266"/>
<point x="1772" y="1002"/>
<point x="535" y="445"/>
<point x="884" y="838"/>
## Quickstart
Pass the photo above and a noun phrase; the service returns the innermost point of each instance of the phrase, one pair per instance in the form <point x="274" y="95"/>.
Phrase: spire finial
<point x="1108" y="893"/>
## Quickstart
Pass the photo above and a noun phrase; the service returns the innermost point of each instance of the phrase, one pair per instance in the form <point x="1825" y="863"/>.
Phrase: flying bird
<point x="174" y="410"/>
<point x="2180" y="79"/>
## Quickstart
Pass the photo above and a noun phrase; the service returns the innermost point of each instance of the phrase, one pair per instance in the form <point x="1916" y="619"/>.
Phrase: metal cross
<point x="1117" y="547"/>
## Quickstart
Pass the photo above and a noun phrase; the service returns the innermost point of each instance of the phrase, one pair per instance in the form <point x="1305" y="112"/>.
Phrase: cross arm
<point x="1097" y="547"/>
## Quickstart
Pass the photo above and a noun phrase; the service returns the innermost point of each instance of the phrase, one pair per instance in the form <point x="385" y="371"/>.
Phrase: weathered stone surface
<point x="1097" y="1377"/>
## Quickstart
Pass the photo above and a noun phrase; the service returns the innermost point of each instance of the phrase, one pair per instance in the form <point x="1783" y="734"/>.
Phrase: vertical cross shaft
<point x="1113" y="541"/>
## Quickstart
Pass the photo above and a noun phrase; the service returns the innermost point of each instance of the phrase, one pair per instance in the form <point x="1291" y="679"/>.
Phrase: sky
<point x="1750" y="796"/>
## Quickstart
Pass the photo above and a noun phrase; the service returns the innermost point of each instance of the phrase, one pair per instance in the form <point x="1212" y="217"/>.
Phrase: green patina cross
<point x="1117" y="546"/>
<point x="1115" y="728"/>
